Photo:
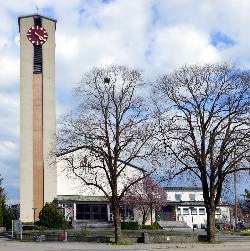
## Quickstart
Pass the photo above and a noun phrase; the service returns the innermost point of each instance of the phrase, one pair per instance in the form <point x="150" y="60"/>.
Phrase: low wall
<point x="2" y="229"/>
<point x="169" y="238"/>
<point x="132" y="236"/>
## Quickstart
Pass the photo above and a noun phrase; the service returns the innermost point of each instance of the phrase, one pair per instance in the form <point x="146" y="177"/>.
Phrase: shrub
<point x="246" y="232"/>
<point x="150" y="227"/>
<point x="130" y="225"/>
<point x="122" y="243"/>
<point x="8" y="216"/>
<point x="135" y="226"/>
<point x="51" y="217"/>
<point x="34" y="227"/>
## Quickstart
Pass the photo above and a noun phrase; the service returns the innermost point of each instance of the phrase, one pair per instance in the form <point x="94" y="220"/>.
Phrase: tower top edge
<point x="35" y="15"/>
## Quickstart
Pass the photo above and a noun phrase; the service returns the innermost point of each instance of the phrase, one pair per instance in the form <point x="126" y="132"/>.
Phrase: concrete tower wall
<point x="37" y="122"/>
<point x="26" y="122"/>
<point x="49" y="113"/>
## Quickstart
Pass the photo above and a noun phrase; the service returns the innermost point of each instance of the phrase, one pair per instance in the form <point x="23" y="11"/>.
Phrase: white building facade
<point x="83" y="204"/>
<point x="186" y="204"/>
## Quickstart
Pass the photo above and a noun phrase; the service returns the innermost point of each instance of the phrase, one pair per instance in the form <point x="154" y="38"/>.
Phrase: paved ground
<point x="7" y="245"/>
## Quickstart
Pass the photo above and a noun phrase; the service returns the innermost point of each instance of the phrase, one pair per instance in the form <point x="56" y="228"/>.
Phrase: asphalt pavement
<point x="10" y="245"/>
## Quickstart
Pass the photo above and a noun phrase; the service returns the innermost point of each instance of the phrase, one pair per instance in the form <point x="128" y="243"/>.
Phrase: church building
<point x="42" y="175"/>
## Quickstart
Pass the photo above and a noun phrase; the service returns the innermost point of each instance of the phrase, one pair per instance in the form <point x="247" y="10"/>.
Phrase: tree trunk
<point x="144" y="216"/>
<point x="143" y="219"/>
<point x="1" y="210"/>
<point x="117" y="221"/>
<point x="211" y="230"/>
<point x="151" y="214"/>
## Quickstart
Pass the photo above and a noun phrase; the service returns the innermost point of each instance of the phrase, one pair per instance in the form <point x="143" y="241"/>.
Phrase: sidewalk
<point x="6" y="245"/>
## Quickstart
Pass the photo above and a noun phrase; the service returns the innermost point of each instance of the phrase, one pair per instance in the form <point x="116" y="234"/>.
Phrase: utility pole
<point x="235" y="200"/>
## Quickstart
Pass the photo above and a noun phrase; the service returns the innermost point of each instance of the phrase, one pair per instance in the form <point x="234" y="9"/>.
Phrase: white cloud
<point x="7" y="148"/>
<point x="227" y="16"/>
<point x="153" y="35"/>
<point x="9" y="117"/>
<point x="9" y="70"/>
<point x="181" y="44"/>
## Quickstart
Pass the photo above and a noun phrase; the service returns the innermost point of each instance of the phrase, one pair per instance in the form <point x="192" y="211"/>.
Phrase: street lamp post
<point x="34" y="214"/>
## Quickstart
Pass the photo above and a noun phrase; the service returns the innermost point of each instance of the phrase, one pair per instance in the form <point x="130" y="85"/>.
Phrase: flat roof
<point x="183" y="188"/>
<point x="81" y="198"/>
<point x="35" y="15"/>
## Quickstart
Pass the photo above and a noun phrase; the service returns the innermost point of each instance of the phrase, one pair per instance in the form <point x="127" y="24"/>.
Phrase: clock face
<point x="37" y="35"/>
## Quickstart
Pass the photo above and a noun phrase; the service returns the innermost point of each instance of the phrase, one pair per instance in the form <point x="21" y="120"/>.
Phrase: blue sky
<point x="155" y="36"/>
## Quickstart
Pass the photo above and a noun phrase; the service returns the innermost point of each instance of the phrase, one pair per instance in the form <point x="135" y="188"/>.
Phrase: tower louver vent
<point x="38" y="59"/>
<point x="38" y="52"/>
<point x="37" y="21"/>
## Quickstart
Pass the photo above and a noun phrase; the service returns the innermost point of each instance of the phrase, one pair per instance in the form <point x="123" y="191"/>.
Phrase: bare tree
<point x="146" y="197"/>
<point x="112" y="127"/>
<point x="205" y="127"/>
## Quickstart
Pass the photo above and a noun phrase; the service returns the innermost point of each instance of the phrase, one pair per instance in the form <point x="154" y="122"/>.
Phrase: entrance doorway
<point x="96" y="212"/>
<point x="167" y="214"/>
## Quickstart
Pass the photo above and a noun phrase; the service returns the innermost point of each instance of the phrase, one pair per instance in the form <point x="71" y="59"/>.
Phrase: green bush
<point x="150" y="227"/>
<point x="51" y="217"/>
<point x="33" y="227"/>
<point x="8" y="216"/>
<point x="130" y="225"/>
<point x="121" y="243"/>
<point x="135" y="226"/>
<point x="246" y="232"/>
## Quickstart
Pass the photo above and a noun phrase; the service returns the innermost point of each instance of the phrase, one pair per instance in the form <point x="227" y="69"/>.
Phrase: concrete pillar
<point x="74" y="211"/>
<point x="108" y="212"/>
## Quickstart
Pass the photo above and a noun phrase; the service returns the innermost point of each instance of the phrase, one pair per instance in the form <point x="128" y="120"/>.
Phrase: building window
<point x="91" y="212"/>
<point x="217" y="211"/>
<point x="193" y="211"/>
<point x="179" y="210"/>
<point x="178" y="197"/>
<point x="185" y="211"/>
<point x="201" y="211"/>
<point x="192" y="197"/>
<point x="127" y="213"/>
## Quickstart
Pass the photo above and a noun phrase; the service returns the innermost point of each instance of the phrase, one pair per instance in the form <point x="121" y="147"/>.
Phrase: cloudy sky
<point x="152" y="35"/>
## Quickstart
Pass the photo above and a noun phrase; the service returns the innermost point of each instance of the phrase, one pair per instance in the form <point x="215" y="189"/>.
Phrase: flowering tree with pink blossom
<point x="146" y="197"/>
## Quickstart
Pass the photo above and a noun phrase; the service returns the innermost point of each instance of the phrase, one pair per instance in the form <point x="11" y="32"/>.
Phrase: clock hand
<point x="40" y="37"/>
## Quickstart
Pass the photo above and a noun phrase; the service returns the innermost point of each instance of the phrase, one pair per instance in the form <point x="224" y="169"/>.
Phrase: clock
<point x="37" y="35"/>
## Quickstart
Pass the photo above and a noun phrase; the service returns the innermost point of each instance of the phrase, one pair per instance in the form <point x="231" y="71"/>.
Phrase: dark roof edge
<point x="193" y="203"/>
<point x="183" y="188"/>
<point x="35" y="15"/>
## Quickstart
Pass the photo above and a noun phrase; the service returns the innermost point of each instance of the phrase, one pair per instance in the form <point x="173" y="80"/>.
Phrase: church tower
<point x="37" y="114"/>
